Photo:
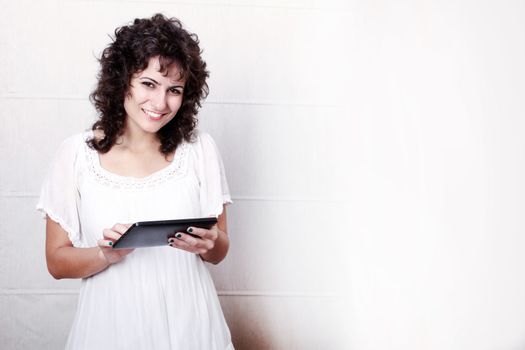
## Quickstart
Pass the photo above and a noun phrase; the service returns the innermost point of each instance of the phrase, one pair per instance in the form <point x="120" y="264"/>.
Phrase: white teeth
<point x="151" y="114"/>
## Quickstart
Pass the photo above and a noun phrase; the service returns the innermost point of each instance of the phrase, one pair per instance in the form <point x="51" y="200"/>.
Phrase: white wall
<point x="390" y="131"/>
<point x="267" y="111"/>
<point x="436" y="168"/>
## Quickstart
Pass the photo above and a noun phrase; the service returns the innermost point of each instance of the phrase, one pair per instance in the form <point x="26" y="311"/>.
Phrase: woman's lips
<point x="153" y="115"/>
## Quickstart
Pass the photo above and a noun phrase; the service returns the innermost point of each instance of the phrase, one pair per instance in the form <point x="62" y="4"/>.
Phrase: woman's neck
<point x="137" y="140"/>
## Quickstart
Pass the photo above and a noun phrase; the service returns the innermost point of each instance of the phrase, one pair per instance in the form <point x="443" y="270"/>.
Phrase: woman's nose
<point x="159" y="101"/>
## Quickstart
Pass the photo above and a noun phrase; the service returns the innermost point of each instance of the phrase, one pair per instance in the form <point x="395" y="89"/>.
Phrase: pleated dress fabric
<point x="156" y="298"/>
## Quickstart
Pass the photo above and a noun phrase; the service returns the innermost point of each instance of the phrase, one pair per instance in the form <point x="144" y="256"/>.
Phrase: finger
<point x="200" y="248"/>
<point x="191" y="241"/>
<point x="104" y="243"/>
<point x="110" y="234"/>
<point x="204" y="233"/>
<point x="120" y="228"/>
<point x="198" y="243"/>
<point x="172" y="240"/>
<point x="196" y="231"/>
<point x="180" y="244"/>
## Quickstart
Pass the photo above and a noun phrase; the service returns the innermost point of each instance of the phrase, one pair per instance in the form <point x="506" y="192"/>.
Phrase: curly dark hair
<point x="129" y="53"/>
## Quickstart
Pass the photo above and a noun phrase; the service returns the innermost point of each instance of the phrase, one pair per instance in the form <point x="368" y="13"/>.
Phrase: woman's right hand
<point x="106" y="245"/>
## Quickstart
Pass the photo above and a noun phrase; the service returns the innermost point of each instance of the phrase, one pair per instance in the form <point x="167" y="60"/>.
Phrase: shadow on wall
<point x="248" y="326"/>
<point x="281" y="322"/>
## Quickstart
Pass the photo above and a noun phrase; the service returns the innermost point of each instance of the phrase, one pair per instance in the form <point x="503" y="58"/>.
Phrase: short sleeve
<point x="214" y="190"/>
<point x="59" y="195"/>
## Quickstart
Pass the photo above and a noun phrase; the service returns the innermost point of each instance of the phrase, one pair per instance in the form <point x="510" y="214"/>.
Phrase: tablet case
<point x="156" y="233"/>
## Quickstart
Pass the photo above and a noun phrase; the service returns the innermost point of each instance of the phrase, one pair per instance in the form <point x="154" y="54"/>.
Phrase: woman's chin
<point x="151" y="127"/>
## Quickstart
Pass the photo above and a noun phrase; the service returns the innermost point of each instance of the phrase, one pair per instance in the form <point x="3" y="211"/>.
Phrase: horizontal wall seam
<point x="337" y="9"/>
<point x="211" y="102"/>
<point x="250" y="293"/>
<point x="234" y="198"/>
<point x="277" y="294"/>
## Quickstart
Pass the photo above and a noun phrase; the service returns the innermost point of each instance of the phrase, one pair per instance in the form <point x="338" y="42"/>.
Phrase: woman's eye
<point x="147" y="83"/>
<point x="175" y="91"/>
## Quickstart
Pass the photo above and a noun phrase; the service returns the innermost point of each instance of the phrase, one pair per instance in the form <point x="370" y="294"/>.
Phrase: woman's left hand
<point x="204" y="242"/>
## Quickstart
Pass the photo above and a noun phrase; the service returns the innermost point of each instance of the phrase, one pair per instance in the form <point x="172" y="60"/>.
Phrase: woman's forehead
<point x="173" y="71"/>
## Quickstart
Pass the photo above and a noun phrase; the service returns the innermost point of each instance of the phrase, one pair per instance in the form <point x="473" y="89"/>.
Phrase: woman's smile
<point x="153" y="115"/>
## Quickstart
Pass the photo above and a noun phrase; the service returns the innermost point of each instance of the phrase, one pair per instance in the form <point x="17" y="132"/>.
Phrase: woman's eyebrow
<point x="153" y="80"/>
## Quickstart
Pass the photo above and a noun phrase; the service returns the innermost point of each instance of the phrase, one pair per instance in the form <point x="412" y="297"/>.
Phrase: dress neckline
<point x="117" y="180"/>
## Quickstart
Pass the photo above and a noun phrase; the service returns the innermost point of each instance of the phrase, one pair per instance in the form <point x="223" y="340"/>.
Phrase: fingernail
<point x="171" y="240"/>
<point x="170" y="244"/>
<point x="110" y="243"/>
<point x="190" y="230"/>
<point x="178" y="235"/>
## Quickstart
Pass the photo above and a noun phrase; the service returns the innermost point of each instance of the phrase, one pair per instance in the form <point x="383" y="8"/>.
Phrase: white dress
<point x="156" y="298"/>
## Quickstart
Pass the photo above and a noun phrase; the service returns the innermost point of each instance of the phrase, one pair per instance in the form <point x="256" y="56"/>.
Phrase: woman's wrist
<point x="103" y="258"/>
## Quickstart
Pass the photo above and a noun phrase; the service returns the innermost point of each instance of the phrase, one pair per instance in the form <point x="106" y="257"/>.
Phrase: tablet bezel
<point x="144" y="234"/>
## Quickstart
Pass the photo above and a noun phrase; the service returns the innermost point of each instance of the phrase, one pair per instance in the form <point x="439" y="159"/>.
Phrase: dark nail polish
<point x="190" y="230"/>
<point x="110" y="243"/>
<point x="178" y="235"/>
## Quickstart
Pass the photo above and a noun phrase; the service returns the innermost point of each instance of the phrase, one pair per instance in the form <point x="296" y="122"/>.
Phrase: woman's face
<point x="154" y="98"/>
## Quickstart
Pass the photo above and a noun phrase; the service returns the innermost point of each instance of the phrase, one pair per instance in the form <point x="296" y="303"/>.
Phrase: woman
<point x="143" y="160"/>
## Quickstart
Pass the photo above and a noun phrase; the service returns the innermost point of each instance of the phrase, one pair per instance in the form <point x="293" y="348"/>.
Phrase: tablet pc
<point x="156" y="233"/>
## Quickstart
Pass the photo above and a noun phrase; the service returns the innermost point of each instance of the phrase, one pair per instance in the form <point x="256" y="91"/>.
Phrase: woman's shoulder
<point x="204" y="148"/>
<point x="73" y="144"/>
<point x="202" y="140"/>
<point x="75" y="140"/>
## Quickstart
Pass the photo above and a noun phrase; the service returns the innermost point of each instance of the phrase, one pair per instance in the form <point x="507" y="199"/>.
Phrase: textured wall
<point x="374" y="150"/>
<point x="268" y="112"/>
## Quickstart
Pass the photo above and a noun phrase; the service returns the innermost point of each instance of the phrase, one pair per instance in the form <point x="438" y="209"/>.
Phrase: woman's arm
<point x="66" y="261"/>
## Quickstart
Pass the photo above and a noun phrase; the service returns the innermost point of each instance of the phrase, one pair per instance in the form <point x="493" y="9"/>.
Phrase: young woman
<point x="143" y="160"/>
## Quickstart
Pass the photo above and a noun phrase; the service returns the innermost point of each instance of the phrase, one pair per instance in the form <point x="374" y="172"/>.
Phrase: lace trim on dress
<point x="72" y="234"/>
<point x="176" y="169"/>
